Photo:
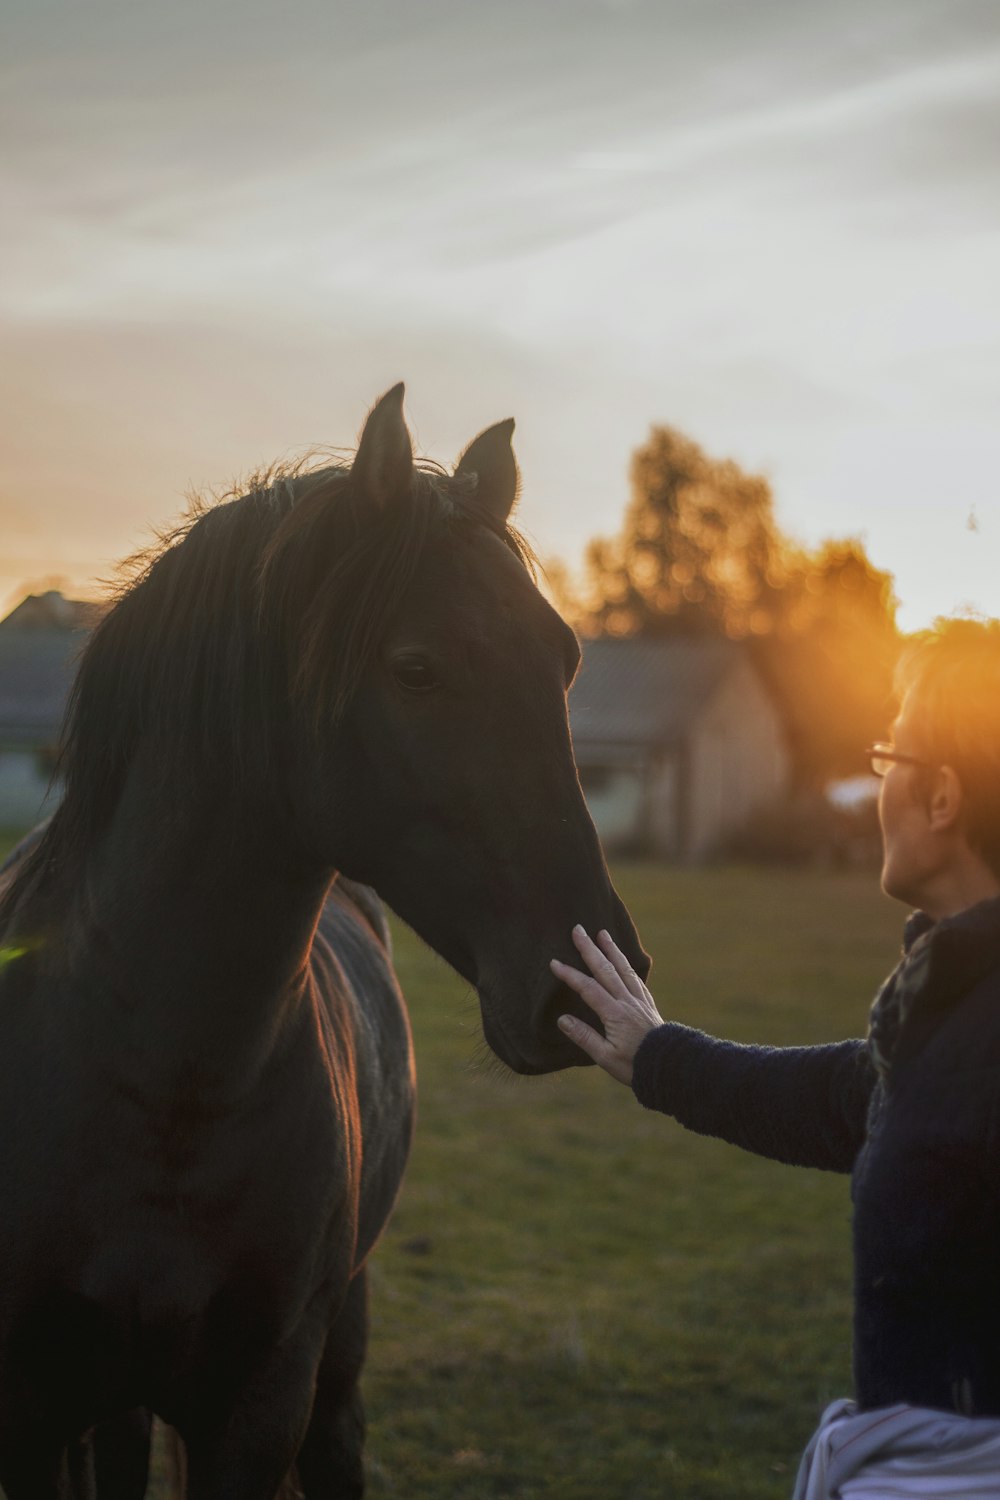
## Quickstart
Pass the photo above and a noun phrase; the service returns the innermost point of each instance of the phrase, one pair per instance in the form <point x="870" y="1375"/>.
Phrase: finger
<point x="588" y="1040"/>
<point x="622" y="967"/>
<point x="599" y="964"/>
<point x="589" y="989"/>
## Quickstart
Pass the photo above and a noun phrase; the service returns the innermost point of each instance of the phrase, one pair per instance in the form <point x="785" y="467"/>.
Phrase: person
<point x="912" y="1111"/>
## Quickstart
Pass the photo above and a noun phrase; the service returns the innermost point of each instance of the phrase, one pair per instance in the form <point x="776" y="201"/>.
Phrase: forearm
<point x="805" y="1106"/>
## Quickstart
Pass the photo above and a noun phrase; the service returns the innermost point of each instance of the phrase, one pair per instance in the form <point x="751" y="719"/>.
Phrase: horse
<point x="344" y="680"/>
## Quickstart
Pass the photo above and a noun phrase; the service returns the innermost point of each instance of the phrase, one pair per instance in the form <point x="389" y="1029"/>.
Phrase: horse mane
<point x="256" y="604"/>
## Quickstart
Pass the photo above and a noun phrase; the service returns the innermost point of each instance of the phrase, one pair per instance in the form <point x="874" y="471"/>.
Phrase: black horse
<point x="206" y="1085"/>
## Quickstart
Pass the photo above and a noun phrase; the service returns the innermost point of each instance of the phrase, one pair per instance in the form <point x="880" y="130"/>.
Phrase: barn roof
<point x="645" y="692"/>
<point x="51" y="611"/>
<point x="627" y="692"/>
<point x="40" y="642"/>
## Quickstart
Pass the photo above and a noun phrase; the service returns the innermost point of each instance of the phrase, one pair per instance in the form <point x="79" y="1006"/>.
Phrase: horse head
<point x="441" y="770"/>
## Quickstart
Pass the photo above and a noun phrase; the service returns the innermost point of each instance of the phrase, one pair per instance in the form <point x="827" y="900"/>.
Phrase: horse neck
<point x="197" y="917"/>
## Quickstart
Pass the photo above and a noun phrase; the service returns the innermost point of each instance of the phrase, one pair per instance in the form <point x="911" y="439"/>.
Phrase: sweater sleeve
<point x="806" y="1106"/>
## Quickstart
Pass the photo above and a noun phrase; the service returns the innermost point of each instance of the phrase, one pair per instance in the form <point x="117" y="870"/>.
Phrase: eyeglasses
<point x="882" y="757"/>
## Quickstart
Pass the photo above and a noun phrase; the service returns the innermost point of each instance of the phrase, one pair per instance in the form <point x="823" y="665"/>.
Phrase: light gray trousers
<point x="896" y="1452"/>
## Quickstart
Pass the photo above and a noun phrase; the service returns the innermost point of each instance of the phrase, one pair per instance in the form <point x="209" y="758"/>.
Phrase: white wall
<point x="662" y="830"/>
<point x="739" y="761"/>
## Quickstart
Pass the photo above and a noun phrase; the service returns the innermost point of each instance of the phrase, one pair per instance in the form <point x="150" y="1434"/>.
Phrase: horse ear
<point x="491" y="457"/>
<point x="383" y="464"/>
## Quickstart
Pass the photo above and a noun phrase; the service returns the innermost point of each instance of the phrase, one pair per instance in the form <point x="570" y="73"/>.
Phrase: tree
<point x="830" y="661"/>
<point x="700" y="552"/>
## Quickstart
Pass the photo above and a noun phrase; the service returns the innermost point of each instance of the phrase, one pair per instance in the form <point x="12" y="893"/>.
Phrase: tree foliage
<point x="700" y="552"/>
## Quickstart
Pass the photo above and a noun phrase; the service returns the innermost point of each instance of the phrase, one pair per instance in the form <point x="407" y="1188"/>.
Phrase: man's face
<point x="910" y="853"/>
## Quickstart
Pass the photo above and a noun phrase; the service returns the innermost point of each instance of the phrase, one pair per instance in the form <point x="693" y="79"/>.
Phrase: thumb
<point x="592" y="1044"/>
<point x="578" y="1031"/>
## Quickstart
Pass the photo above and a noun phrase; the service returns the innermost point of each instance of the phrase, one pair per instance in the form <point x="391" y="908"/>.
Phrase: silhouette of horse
<point x="343" y="679"/>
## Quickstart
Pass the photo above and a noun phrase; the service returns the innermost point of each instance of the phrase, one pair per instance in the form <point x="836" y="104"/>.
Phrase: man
<point x="913" y="1112"/>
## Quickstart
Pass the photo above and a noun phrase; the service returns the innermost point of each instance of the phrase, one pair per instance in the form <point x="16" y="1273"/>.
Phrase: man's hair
<point x="952" y="673"/>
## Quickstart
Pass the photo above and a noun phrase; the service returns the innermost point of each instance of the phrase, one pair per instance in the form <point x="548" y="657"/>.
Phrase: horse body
<point x="198" y="1259"/>
<point x="206" y="1080"/>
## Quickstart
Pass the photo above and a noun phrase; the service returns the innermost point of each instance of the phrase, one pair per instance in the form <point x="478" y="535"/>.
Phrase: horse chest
<point x="242" y="1194"/>
<point x="174" y="1271"/>
<point x="175" y="1217"/>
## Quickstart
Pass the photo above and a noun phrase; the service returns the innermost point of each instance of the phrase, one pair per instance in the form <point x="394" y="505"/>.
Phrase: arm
<point x="806" y="1106"/>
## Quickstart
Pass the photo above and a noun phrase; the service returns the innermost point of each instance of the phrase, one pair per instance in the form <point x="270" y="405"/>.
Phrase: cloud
<point x="229" y="226"/>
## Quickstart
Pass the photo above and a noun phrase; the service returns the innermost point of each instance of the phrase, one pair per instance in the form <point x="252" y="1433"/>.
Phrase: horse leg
<point x="121" y="1456"/>
<point x="245" y="1450"/>
<point x="111" y="1464"/>
<point x="329" y="1465"/>
<point x="31" y="1470"/>
<point x="174" y="1454"/>
<point x="80" y="1464"/>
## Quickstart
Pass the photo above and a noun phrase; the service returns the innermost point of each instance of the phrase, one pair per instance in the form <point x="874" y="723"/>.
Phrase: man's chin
<point x="899" y="890"/>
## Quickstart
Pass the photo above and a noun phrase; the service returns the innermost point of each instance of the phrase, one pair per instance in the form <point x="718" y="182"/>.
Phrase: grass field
<point x="575" y="1299"/>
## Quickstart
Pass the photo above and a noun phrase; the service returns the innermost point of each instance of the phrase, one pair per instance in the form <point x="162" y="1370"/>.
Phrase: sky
<point x="774" y="224"/>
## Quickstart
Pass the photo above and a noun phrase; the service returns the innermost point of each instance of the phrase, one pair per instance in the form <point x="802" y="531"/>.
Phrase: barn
<point x="39" y="644"/>
<point x="678" y="743"/>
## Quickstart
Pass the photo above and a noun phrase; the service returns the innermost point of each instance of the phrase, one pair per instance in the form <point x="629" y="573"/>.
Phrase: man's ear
<point x="946" y="801"/>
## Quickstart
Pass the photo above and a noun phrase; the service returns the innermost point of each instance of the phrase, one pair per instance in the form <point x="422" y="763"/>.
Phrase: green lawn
<point x="575" y="1299"/>
<point x="578" y="1301"/>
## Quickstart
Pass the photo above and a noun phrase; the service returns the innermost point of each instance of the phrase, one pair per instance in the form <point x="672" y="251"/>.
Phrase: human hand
<point x="618" y="998"/>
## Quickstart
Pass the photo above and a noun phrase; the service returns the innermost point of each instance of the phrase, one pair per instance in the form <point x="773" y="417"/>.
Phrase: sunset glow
<point x="774" y="228"/>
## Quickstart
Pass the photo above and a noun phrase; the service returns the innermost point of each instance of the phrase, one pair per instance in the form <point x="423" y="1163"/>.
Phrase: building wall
<point x="684" y="802"/>
<point x="634" y="803"/>
<point x="615" y="794"/>
<point x="661" y="831"/>
<point x="737" y="762"/>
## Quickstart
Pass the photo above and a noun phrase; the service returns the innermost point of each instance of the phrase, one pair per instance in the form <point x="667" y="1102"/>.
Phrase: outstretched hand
<point x="618" y="998"/>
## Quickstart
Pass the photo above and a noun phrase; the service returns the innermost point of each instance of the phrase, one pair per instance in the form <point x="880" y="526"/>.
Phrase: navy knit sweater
<point x="923" y="1148"/>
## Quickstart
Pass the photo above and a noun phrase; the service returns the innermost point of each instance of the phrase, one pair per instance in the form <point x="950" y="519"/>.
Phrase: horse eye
<point x="415" y="675"/>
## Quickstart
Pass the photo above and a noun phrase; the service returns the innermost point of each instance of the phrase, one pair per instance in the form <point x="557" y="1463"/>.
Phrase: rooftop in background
<point x="52" y="611"/>
<point x="646" y="692"/>
<point x="40" y="641"/>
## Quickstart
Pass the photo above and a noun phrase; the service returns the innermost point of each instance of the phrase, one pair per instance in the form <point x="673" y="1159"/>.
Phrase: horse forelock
<point x="332" y="575"/>
<point x="269" y="599"/>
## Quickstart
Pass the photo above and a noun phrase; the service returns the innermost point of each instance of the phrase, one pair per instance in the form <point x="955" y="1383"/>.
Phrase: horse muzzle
<point x="527" y="1037"/>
